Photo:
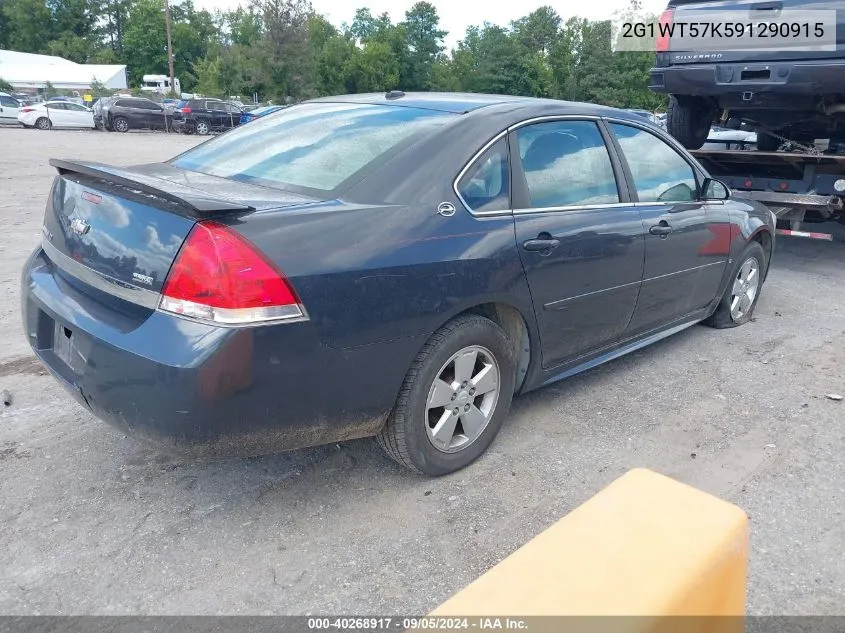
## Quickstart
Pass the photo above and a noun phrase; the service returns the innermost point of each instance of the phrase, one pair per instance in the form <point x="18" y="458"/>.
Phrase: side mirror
<point x="715" y="190"/>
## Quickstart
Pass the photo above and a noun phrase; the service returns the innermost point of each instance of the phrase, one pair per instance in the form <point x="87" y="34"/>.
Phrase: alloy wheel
<point x="462" y="399"/>
<point x="744" y="291"/>
<point x="202" y="128"/>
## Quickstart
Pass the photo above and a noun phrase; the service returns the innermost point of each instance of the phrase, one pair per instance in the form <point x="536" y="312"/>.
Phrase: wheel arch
<point x="518" y="329"/>
<point x="764" y="238"/>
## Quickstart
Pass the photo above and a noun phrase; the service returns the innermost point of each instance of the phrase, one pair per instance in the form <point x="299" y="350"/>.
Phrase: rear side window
<point x="9" y="102"/>
<point x="660" y="174"/>
<point x="313" y="146"/>
<point x="566" y="163"/>
<point x="485" y="185"/>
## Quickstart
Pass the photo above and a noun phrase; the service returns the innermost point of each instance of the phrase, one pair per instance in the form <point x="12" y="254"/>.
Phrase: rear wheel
<point x="743" y="291"/>
<point x="454" y="399"/>
<point x="201" y="128"/>
<point x="688" y="119"/>
<point x="43" y="123"/>
<point x="121" y="124"/>
<point x="767" y="142"/>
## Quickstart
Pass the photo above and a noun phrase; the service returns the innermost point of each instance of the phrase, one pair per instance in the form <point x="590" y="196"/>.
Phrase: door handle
<point x="663" y="229"/>
<point x="540" y="245"/>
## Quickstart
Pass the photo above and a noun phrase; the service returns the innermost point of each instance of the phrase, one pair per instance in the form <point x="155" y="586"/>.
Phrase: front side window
<point x="566" y="163"/>
<point x="312" y="146"/>
<point x="660" y="174"/>
<point x="9" y="102"/>
<point x="485" y="185"/>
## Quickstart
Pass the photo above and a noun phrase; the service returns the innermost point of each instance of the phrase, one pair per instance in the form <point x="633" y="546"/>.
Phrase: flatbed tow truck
<point x="801" y="188"/>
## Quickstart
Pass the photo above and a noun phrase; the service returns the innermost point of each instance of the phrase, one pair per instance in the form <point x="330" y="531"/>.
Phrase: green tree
<point x="424" y="44"/>
<point x="208" y="77"/>
<point x="5" y="86"/>
<point x="539" y="30"/>
<point x="29" y="24"/>
<point x="374" y="68"/>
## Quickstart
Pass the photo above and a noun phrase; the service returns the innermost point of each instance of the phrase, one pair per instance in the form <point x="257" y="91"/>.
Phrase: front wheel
<point x="737" y="304"/>
<point x="767" y="142"/>
<point x="454" y="399"/>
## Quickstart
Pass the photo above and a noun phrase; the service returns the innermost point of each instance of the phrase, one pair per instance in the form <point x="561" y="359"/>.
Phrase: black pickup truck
<point x="792" y="92"/>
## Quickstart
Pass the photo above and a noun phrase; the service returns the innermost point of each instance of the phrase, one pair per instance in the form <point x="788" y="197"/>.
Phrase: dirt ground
<point x="93" y="523"/>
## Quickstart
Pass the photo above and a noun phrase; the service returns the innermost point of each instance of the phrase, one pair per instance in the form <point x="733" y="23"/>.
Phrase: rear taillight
<point x="27" y="110"/>
<point x="220" y="277"/>
<point x="185" y="110"/>
<point x="664" y="32"/>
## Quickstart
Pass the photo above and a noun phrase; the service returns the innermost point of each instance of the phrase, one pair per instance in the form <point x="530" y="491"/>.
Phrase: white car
<point x="58" y="114"/>
<point x="724" y="138"/>
<point x="9" y="107"/>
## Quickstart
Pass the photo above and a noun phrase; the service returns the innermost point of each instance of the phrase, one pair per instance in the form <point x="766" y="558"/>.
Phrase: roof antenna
<point x="394" y="94"/>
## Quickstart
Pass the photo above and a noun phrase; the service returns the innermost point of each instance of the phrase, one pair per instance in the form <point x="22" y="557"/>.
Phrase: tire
<point x="767" y="142"/>
<point x="43" y="123"/>
<point x="689" y="121"/>
<point x="407" y="435"/>
<point x="202" y="128"/>
<point x="120" y="124"/>
<point x="723" y="317"/>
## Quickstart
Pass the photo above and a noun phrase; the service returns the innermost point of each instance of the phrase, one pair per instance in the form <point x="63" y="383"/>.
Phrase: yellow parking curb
<point x="645" y="548"/>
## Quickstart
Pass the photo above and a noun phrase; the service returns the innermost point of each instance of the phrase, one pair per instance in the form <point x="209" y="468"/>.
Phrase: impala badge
<point x="446" y="209"/>
<point x="79" y="226"/>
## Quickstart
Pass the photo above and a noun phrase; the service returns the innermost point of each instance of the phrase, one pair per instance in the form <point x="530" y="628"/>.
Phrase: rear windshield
<point x="313" y="146"/>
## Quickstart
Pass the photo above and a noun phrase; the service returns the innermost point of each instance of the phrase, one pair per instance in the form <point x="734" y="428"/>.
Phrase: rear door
<point x="9" y="110"/>
<point x="687" y="241"/>
<point x="579" y="236"/>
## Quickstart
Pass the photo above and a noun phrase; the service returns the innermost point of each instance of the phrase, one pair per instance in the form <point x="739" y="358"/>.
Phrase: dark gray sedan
<point x="397" y="266"/>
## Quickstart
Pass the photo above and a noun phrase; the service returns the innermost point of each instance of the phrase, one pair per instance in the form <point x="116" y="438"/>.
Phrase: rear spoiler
<point x="185" y="196"/>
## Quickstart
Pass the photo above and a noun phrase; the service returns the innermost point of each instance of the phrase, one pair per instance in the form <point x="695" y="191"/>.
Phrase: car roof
<point x="461" y="103"/>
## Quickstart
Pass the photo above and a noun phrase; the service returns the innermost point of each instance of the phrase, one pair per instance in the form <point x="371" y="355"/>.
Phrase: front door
<point x="78" y="116"/>
<point x="687" y="240"/>
<point x="580" y="241"/>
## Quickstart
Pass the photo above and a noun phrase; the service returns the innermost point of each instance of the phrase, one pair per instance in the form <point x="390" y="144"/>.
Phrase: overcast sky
<point x="457" y="15"/>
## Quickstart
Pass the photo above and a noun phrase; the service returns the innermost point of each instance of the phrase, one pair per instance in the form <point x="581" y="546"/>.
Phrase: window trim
<point x="616" y="166"/>
<point x="470" y="163"/>
<point x="697" y="170"/>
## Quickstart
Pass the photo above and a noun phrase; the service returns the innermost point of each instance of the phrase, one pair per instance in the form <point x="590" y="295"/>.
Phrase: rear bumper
<point x="785" y="78"/>
<point x="204" y="389"/>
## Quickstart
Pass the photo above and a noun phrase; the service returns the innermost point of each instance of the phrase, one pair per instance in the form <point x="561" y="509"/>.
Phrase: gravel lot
<point x="91" y="522"/>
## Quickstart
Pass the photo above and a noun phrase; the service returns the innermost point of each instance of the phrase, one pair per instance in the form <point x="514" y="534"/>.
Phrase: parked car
<point x="122" y="114"/>
<point x="394" y="265"/>
<point x="781" y="88"/>
<point x="59" y="114"/>
<point x="202" y="116"/>
<point x="725" y="138"/>
<point x="251" y="115"/>
<point x="9" y="107"/>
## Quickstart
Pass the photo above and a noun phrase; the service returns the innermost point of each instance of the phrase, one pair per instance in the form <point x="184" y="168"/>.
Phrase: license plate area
<point x="63" y="344"/>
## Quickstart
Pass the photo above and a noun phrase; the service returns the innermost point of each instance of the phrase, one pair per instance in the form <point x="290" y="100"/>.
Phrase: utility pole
<point x="169" y="45"/>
